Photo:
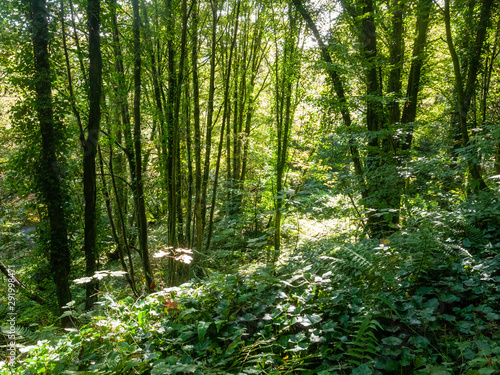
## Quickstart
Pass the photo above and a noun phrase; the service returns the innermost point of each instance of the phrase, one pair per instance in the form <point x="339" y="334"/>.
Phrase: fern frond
<point x="358" y="258"/>
<point x="364" y="347"/>
<point x="474" y="234"/>
<point x="24" y="335"/>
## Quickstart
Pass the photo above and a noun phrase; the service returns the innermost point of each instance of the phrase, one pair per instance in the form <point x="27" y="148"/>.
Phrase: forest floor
<point x="426" y="302"/>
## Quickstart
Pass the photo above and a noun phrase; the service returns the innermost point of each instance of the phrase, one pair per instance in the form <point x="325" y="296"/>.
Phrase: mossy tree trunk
<point x="90" y="149"/>
<point x="49" y="174"/>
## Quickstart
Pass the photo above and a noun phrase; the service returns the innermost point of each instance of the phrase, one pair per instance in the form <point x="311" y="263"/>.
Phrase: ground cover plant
<point x="424" y="301"/>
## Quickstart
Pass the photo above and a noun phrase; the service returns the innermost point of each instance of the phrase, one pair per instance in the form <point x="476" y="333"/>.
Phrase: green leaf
<point x="311" y="320"/>
<point x="363" y="369"/>
<point x="486" y="371"/>
<point x="248" y="317"/>
<point x="448" y="298"/>
<point x="492" y="316"/>
<point x="432" y="303"/>
<point x="329" y="326"/>
<point x="392" y="340"/>
<point x="424" y="290"/>
<point x="172" y="360"/>
<point x="448" y="318"/>
<point x="438" y="370"/>
<point x="469" y="354"/>
<point x="202" y="330"/>
<point x="187" y="312"/>
<point x="123" y="345"/>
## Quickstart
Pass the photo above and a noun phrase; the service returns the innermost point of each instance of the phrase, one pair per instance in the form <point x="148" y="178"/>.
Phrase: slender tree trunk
<point x="133" y="148"/>
<point x="465" y="92"/>
<point x="76" y="39"/>
<point x="187" y="116"/>
<point x="142" y="224"/>
<point x="156" y="75"/>
<point x="394" y="185"/>
<point x="257" y="58"/>
<point x="377" y="198"/>
<point x="396" y="53"/>
<point x="225" y="119"/>
<point x="114" y="231"/>
<point x="409" y="114"/>
<point x="90" y="149"/>
<point x="72" y="97"/>
<point x="177" y="133"/>
<point x="122" y="94"/>
<point x="210" y="112"/>
<point x="284" y="119"/>
<point x="49" y="174"/>
<point x="171" y="134"/>
<point x="118" y="198"/>
<point x="197" y="133"/>
<point x="337" y="85"/>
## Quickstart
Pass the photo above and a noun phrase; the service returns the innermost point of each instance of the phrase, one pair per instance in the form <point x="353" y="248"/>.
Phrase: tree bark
<point x="465" y="92"/>
<point x="409" y="114"/>
<point x="197" y="133"/>
<point x="114" y="232"/>
<point x="210" y="112"/>
<point x="72" y="97"/>
<point x="284" y="117"/>
<point x="49" y="174"/>
<point x="90" y="149"/>
<point x="142" y="224"/>
<point x="225" y="122"/>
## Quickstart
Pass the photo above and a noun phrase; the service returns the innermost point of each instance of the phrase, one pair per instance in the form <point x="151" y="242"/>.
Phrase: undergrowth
<point x="422" y="303"/>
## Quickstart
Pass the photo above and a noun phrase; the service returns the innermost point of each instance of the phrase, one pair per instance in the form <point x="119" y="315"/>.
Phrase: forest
<point x="250" y="187"/>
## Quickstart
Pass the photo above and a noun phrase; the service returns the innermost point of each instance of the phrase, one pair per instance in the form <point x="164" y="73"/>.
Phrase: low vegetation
<point x="424" y="301"/>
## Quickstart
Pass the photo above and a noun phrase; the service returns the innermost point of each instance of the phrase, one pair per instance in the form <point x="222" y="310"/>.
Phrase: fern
<point x="359" y="259"/>
<point x="350" y="258"/>
<point x="364" y="347"/>
<point x="474" y="234"/>
<point x="24" y="336"/>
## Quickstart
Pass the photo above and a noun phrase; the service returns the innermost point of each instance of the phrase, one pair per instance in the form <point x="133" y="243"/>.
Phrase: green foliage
<point x="420" y="303"/>
<point x="24" y="336"/>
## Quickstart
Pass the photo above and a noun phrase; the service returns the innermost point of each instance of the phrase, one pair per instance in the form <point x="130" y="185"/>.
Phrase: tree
<point x="49" y="173"/>
<point x="286" y="80"/>
<point x="138" y="183"/>
<point x="465" y="90"/>
<point x="90" y="145"/>
<point x="377" y="175"/>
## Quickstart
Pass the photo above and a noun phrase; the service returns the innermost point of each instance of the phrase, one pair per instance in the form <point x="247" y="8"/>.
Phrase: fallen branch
<point x="23" y="288"/>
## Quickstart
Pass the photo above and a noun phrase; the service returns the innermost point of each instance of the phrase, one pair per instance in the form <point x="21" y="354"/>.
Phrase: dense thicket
<point x="181" y="139"/>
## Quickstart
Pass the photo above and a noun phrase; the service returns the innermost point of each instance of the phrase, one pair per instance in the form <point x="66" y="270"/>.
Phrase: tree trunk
<point x="257" y="57"/>
<point x="337" y="85"/>
<point x="119" y="209"/>
<point x="90" y="149"/>
<point x="465" y="93"/>
<point x="225" y="122"/>
<point x="114" y="232"/>
<point x="197" y="133"/>
<point x="72" y="98"/>
<point x="142" y="224"/>
<point x="284" y="92"/>
<point x="210" y="112"/>
<point x="49" y="174"/>
<point x="409" y="114"/>
<point x="189" y="210"/>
